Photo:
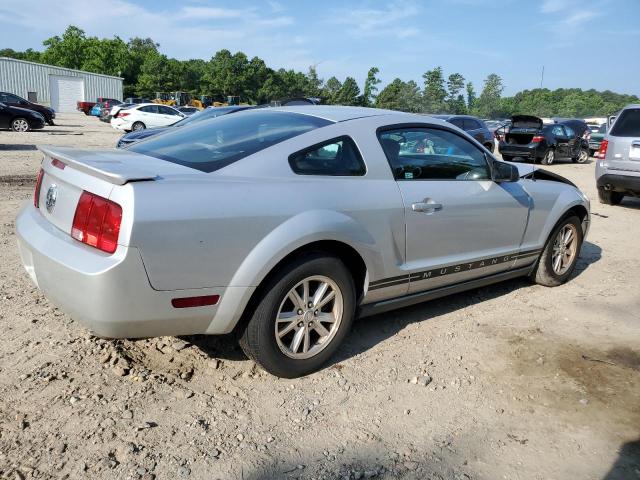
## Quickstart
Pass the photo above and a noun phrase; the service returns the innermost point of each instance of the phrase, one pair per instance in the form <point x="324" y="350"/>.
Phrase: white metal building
<point x="57" y="87"/>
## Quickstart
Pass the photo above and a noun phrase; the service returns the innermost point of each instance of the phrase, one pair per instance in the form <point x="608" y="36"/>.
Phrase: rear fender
<point x="300" y="230"/>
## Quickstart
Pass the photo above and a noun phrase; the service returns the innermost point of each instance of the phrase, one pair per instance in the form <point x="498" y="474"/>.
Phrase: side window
<point x="432" y="154"/>
<point x="570" y="132"/>
<point x="166" y="110"/>
<point x="149" y="109"/>
<point x="13" y="99"/>
<point x="557" y="131"/>
<point x="458" y="122"/>
<point x="337" y="157"/>
<point x="470" y="124"/>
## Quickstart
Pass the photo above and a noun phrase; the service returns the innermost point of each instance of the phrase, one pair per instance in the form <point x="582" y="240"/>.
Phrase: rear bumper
<point x="111" y="294"/>
<point x="620" y="183"/>
<point x="526" y="151"/>
<point x="120" y="124"/>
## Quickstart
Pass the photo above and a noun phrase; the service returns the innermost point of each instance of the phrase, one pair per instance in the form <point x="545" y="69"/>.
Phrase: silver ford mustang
<point x="283" y="224"/>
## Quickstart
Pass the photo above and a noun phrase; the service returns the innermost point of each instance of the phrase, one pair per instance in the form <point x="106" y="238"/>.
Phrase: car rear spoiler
<point x="98" y="164"/>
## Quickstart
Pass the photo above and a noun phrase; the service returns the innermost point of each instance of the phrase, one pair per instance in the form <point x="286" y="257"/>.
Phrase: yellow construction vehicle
<point x="164" y="98"/>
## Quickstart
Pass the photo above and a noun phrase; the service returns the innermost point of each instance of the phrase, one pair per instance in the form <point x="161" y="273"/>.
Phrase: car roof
<point x="335" y="113"/>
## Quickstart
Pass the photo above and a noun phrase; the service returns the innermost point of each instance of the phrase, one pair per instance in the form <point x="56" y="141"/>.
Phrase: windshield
<point x="217" y="142"/>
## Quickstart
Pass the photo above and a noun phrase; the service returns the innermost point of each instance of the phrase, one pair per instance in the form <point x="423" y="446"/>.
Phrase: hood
<point x="526" y="121"/>
<point x="141" y="134"/>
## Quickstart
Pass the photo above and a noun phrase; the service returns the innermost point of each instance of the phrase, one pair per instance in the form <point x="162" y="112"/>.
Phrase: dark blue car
<point x="211" y="112"/>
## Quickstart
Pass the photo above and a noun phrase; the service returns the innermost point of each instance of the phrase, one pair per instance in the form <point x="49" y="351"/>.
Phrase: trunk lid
<point x="67" y="172"/>
<point x="526" y="122"/>
<point x="623" y="150"/>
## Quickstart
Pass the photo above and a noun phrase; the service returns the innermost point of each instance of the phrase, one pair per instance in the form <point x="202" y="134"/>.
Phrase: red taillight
<point x="537" y="139"/>
<point x="97" y="222"/>
<point x="36" y="193"/>
<point x="602" y="152"/>
<point x="188" y="302"/>
<point x="121" y="114"/>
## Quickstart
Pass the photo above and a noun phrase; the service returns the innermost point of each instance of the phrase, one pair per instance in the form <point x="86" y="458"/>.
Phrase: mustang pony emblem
<point x="52" y="196"/>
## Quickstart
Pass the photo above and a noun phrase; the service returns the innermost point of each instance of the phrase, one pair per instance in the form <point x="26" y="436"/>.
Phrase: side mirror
<point x="505" y="172"/>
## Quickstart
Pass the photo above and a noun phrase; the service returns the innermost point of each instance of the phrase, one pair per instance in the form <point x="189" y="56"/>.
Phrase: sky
<point x="580" y="43"/>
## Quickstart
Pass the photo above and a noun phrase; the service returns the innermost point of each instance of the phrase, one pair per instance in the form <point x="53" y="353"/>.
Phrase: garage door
<point x="65" y="92"/>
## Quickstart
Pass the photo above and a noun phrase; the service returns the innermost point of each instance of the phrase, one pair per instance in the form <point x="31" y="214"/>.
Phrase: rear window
<point x="627" y="124"/>
<point x="213" y="144"/>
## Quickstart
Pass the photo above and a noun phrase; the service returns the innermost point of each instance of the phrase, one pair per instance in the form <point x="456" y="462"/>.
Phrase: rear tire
<point x="20" y="125"/>
<point x="264" y="340"/>
<point x="138" y="126"/>
<point x="609" y="197"/>
<point x="560" y="254"/>
<point x="549" y="157"/>
<point x="582" y="157"/>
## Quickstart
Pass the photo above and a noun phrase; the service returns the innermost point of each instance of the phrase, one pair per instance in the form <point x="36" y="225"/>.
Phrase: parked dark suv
<point x="530" y="139"/>
<point x="15" y="101"/>
<point x="473" y="126"/>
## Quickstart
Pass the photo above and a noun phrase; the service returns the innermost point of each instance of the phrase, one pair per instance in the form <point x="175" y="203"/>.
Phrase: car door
<point x="459" y="223"/>
<point x="561" y="140"/>
<point x="5" y="116"/>
<point x="149" y="116"/>
<point x="573" y="142"/>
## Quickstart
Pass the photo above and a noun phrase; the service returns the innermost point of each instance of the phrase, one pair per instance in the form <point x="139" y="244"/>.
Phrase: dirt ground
<point x="527" y="382"/>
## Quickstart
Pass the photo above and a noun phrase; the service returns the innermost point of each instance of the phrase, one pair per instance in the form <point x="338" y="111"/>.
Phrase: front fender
<point x="550" y="202"/>
<point x="300" y="230"/>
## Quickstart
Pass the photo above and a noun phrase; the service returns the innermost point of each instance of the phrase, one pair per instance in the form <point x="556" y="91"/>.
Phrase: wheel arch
<point x="352" y="259"/>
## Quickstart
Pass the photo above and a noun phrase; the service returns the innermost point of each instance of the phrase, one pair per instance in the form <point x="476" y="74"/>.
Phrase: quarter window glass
<point x="570" y="132"/>
<point x="458" y="122"/>
<point x="337" y="157"/>
<point x="628" y="125"/>
<point x="432" y="154"/>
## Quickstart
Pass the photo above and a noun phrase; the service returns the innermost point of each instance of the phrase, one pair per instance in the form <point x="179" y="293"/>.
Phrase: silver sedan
<point x="284" y="224"/>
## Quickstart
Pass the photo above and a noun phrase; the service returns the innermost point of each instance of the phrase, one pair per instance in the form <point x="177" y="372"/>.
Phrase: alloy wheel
<point x="309" y="317"/>
<point x="564" y="249"/>
<point x="20" y="125"/>
<point x="583" y="156"/>
<point x="550" y="157"/>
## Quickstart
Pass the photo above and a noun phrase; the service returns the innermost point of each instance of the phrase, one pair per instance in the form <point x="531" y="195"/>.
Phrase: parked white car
<point x="145" y="115"/>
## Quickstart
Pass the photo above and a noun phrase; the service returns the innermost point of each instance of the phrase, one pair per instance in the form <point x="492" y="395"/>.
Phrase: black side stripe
<point x="451" y="269"/>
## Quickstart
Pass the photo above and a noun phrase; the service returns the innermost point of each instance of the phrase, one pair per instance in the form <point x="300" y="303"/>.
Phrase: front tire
<point x="609" y="197"/>
<point x="549" y="157"/>
<point x="137" y="126"/>
<point x="20" y="125"/>
<point x="560" y="254"/>
<point x="303" y="315"/>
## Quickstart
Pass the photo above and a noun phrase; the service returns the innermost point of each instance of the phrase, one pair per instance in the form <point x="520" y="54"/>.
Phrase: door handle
<point x="426" y="206"/>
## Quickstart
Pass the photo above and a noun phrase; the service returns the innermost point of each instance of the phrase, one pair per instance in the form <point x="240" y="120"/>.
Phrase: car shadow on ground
<point x="631" y="203"/>
<point x="9" y="147"/>
<point x="627" y="465"/>
<point x="369" y="332"/>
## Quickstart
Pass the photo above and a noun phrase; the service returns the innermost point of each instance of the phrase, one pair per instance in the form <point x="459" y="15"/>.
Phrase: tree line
<point x="146" y="71"/>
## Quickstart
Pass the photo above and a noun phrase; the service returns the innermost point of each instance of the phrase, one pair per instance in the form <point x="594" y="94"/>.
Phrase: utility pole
<point x="542" y="77"/>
